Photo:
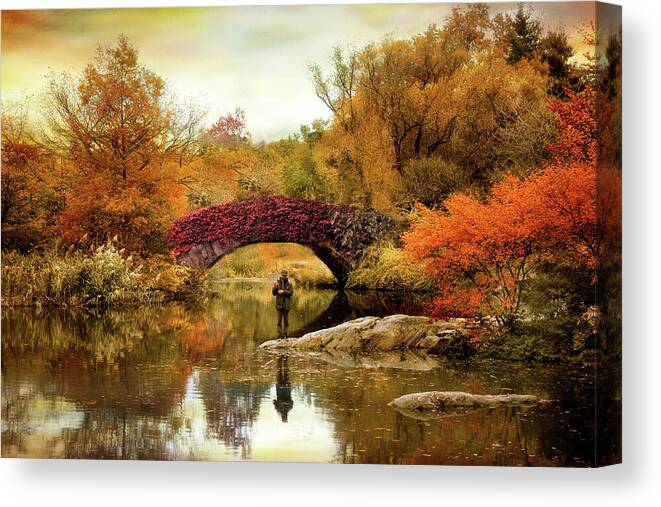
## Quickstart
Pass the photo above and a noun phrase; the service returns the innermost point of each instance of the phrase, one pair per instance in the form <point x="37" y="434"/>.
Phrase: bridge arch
<point x="338" y="235"/>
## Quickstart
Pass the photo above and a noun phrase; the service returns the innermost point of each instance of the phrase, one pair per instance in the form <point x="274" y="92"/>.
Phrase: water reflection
<point x="283" y="402"/>
<point x="177" y="382"/>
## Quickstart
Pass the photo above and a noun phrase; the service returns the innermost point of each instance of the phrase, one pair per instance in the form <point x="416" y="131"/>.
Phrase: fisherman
<point x="283" y="290"/>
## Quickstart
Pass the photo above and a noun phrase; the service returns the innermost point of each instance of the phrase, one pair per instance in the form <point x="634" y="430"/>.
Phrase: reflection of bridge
<point x="335" y="313"/>
<point x="338" y="235"/>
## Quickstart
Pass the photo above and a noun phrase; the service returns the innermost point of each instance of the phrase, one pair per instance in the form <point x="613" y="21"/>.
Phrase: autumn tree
<point x="612" y="71"/>
<point x="429" y="181"/>
<point x="484" y="250"/>
<point x="231" y="166"/>
<point x="230" y="129"/>
<point x="302" y="174"/>
<point x="126" y="143"/>
<point x="523" y="35"/>
<point x="436" y="96"/>
<point x="223" y="173"/>
<point x="520" y="37"/>
<point x="341" y="147"/>
<point x="311" y="134"/>
<point x="555" y="52"/>
<point x="576" y="122"/>
<point x="29" y="184"/>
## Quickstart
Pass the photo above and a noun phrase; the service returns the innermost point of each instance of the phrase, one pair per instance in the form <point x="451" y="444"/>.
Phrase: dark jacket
<point x="283" y="301"/>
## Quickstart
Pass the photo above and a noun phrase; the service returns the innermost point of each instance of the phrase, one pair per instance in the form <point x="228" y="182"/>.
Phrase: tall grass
<point x="103" y="277"/>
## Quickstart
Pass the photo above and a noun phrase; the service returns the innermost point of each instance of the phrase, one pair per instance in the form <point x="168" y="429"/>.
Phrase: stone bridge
<point x="338" y="235"/>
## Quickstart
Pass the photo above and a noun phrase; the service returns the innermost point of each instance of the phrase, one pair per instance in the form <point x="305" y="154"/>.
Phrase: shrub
<point x="103" y="277"/>
<point x="174" y="281"/>
<point x="384" y="266"/>
<point x="70" y="278"/>
<point x="553" y="300"/>
<point x="429" y="181"/>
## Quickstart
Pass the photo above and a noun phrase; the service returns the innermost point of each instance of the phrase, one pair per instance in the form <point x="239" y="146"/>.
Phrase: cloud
<point x="254" y="57"/>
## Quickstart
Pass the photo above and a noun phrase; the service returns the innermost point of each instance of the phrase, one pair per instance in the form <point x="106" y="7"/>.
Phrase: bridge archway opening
<point x="263" y="260"/>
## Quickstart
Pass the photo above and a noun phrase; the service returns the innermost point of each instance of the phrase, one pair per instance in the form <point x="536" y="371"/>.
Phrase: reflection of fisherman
<point x="283" y="402"/>
<point x="283" y="290"/>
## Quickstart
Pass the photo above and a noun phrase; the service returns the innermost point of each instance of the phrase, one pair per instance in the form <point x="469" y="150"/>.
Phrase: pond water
<point x="176" y="382"/>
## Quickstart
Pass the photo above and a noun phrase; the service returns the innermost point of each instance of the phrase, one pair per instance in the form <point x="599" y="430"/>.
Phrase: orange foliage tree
<point x="125" y="144"/>
<point x="29" y="184"/>
<point x="482" y="251"/>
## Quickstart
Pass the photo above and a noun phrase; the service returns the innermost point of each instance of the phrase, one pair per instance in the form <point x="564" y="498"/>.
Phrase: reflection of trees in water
<point x="231" y="409"/>
<point x="484" y="437"/>
<point x="121" y="383"/>
<point x="382" y="303"/>
<point x="244" y="311"/>
<point x="112" y="433"/>
<point x="124" y="370"/>
<point x="124" y="404"/>
<point x="118" y="421"/>
<point x="104" y="336"/>
<point x="127" y="371"/>
<point x="609" y="414"/>
<point x="591" y="412"/>
<point x="368" y="431"/>
<point x="70" y="364"/>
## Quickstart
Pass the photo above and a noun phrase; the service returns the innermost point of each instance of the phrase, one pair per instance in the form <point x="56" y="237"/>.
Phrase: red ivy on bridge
<point x="276" y="219"/>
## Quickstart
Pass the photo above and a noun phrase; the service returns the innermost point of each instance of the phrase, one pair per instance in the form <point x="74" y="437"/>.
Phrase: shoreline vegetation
<point x="102" y="277"/>
<point x="482" y="135"/>
<point x="105" y="279"/>
<point x="105" y="276"/>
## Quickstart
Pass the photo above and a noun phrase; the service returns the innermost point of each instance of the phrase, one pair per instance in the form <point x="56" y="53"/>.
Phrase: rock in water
<point x="441" y="403"/>
<point x="400" y="360"/>
<point x="375" y="334"/>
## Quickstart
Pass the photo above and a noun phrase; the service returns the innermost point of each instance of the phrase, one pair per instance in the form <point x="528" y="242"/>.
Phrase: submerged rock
<point x="441" y="403"/>
<point x="382" y="334"/>
<point x="400" y="360"/>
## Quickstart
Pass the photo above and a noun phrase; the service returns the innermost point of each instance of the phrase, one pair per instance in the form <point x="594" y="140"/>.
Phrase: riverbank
<point x="104" y="277"/>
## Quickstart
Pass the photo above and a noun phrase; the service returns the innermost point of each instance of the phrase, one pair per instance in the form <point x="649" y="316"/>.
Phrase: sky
<point x="253" y="57"/>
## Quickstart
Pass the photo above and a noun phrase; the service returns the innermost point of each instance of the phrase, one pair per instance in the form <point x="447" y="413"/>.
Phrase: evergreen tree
<point x="524" y="36"/>
<point x="555" y="51"/>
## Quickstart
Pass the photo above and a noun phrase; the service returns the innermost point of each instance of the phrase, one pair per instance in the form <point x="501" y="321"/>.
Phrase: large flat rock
<point x="439" y="403"/>
<point x="382" y="334"/>
<point x="412" y="360"/>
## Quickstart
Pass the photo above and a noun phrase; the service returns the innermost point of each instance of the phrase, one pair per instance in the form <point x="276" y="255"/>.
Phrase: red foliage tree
<point x="230" y="129"/>
<point x="482" y="251"/>
<point x="576" y="122"/>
